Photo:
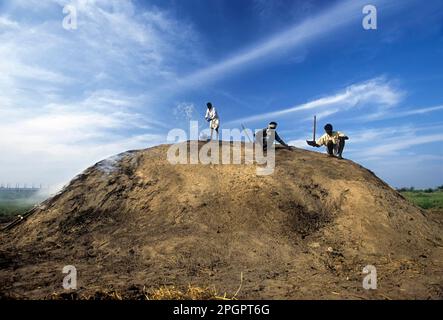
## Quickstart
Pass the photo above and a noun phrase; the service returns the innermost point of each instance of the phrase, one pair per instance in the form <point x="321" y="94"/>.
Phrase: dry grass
<point x="162" y="293"/>
<point x="98" y="295"/>
<point x="191" y="293"/>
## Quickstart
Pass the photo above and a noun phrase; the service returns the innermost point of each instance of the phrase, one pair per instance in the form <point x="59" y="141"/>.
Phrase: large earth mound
<point x="307" y="231"/>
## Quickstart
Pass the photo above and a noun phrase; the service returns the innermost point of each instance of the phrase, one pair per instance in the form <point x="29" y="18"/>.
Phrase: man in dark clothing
<point x="267" y="136"/>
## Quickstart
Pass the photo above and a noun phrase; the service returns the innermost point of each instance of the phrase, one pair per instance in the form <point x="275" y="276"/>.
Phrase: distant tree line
<point x="428" y="190"/>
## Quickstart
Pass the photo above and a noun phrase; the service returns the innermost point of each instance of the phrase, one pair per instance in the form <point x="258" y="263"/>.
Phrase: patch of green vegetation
<point x="11" y="208"/>
<point x="17" y="201"/>
<point x="426" y="199"/>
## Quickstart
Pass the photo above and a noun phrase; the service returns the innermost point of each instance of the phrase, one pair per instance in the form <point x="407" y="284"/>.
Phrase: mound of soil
<point x="136" y="221"/>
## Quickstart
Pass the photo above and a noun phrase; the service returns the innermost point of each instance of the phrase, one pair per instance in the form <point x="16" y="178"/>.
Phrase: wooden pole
<point x="315" y="127"/>
<point x="244" y="129"/>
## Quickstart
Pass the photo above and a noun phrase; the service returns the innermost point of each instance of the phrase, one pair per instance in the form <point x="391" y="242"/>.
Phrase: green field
<point x="14" y="202"/>
<point x="426" y="199"/>
<point x="10" y="208"/>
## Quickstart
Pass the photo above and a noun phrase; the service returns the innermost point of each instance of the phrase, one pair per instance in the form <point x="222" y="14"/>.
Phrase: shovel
<point x="312" y="142"/>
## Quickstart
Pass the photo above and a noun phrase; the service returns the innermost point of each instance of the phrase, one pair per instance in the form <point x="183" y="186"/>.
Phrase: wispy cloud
<point x="420" y="111"/>
<point x="377" y="92"/>
<point x="70" y="98"/>
<point x="185" y="111"/>
<point x="309" y="30"/>
<point x="55" y="142"/>
<point x="391" y="146"/>
<point x="6" y="23"/>
<point x="397" y="113"/>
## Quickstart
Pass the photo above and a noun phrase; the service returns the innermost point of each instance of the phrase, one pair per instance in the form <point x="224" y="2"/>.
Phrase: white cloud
<point x="369" y="135"/>
<point x="397" y="113"/>
<point x="299" y="143"/>
<point x="391" y="146"/>
<point x="297" y="36"/>
<point x="5" y="22"/>
<point x="12" y="69"/>
<point x="55" y="142"/>
<point x="57" y="125"/>
<point x="185" y="111"/>
<point x="377" y="92"/>
<point x="70" y="98"/>
<point x="420" y="111"/>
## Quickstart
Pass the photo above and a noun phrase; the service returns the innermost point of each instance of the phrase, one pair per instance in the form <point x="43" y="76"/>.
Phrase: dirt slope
<point x="306" y="231"/>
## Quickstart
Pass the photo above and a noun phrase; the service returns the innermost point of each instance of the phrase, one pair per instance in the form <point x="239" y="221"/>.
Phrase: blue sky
<point x="133" y="70"/>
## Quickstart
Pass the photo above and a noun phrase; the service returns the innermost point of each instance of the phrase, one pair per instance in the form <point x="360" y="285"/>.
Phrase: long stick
<point x="315" y="127"/>
<point x="246" y="132"/>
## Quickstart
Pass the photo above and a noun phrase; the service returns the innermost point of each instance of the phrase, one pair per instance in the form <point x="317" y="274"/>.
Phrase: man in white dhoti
<point x="213" y="119"/>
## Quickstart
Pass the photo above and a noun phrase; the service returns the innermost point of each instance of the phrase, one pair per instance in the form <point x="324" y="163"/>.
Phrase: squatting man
<point x="333" y="140"/>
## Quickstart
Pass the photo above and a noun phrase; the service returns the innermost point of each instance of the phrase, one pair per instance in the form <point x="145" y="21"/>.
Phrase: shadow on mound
<point x="303" y="221"/>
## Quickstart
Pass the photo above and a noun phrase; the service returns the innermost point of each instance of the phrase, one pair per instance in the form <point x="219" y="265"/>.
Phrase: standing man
<point x="269" y="134"/>
<point x="333" y="140"/>
<point x="212" y="117"/>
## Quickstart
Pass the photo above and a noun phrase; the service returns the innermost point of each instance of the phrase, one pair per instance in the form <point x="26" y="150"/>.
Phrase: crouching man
<point x="333" y="140"/>
<point x="266" y="137"/>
